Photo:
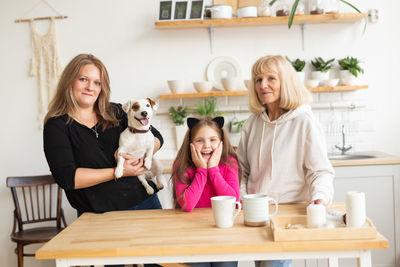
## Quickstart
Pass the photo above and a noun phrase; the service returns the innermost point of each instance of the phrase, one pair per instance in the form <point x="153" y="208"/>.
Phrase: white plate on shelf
<point x="222" y="67"/>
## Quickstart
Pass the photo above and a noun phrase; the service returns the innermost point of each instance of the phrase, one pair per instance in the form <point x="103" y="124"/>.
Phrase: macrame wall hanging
<point x="45" y="62"/>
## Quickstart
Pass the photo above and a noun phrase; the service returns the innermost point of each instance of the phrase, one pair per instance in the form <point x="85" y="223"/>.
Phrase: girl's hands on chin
<point x="215" y="156"/>
<point x="132" y="165"/>
<point x="197" y="158"/>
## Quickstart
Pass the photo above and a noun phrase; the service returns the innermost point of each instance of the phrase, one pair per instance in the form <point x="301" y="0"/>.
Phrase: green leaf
<point x="292" y="13"/>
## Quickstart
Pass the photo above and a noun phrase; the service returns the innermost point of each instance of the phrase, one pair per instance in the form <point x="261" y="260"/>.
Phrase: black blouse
<point x="68" y="146"/>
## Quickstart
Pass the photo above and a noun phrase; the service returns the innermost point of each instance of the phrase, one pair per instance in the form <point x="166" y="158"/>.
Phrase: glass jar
<point x="300" y="10"/>
<point x="282" y="8"/>
<point x="264" y="10"/>
<point x="316" y="7"/>
<point x="332" y="6"/>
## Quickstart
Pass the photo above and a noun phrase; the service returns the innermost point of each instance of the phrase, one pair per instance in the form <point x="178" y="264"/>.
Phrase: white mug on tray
<point x="256" y="209"/>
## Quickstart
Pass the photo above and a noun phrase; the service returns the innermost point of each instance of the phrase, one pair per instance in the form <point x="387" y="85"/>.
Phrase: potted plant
<point x="350" y="69"/>
<point x="208" y="108"/>
<point x="299" y="65"/>
<point x="322" y="68"/>
<point x="296" y="4"/>
<point x="178" y="116"/>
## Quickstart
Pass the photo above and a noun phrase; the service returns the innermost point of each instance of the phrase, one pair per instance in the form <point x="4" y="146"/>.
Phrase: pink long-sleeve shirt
<point x="222" y="180"/>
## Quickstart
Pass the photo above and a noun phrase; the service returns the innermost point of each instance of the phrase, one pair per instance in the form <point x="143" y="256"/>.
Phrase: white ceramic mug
<point x="224" y="210"/>
<point x="256" y="209"/>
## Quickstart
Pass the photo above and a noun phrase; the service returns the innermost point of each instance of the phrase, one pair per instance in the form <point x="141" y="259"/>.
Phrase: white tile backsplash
<point x="359" y="122"/>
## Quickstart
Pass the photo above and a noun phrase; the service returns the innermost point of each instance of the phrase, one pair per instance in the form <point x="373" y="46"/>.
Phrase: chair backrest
<point x="34" y="199"/>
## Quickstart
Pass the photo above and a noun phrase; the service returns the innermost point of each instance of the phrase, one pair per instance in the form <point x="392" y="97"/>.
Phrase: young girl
<point x="206" y="165"/>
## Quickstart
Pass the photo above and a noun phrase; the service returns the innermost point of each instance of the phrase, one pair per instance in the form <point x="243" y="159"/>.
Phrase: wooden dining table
<point x="175" y="236"/>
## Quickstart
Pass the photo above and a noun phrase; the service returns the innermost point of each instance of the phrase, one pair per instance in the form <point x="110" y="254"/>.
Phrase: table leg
<point x="365" y="259"/>
<point x="333" y="262"/>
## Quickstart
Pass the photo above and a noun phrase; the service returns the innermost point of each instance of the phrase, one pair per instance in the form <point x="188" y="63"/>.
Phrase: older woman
<point x="282" y="149"/>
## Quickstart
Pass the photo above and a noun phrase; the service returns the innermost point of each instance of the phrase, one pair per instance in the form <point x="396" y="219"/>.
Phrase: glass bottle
<point x="300" y="10"/>
<point x="282" y="8"/>
<point x="264" y="10"/>
<point x="332" y="6"/>
<point x="316" y="7"/>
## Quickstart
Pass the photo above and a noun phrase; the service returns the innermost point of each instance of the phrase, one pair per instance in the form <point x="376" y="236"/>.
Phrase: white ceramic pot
<point x="247" y="12"/>
<point x="319" y="75"/>
<point x="221" y="12"/>
<point x="302" y="76"/>
<point x="346" y="78"/>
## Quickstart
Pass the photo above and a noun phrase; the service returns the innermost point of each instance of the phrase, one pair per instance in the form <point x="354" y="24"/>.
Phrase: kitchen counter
<point x="382" y="159"/>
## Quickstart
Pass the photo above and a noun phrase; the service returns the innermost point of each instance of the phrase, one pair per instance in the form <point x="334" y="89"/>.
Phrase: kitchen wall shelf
<point x="339" y="88"/>
<point x="208" y="94"/>
<point x="262" y="21"/>
<point x="241" y="93"/>
<point x="301" y="20"/>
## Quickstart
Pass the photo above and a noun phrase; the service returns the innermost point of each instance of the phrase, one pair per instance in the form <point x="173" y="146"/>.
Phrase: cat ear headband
<point x="191" y="122"/>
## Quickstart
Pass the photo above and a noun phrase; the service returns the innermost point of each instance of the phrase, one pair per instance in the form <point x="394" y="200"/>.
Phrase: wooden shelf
<point x="262" y="21"/>
<point x="337" y="88"/>
<point x="209" y="94"/>
<point x="240" y="93"/>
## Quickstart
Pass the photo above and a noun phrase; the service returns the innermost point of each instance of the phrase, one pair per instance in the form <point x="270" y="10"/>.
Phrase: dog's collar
<point x="134" y="130"/>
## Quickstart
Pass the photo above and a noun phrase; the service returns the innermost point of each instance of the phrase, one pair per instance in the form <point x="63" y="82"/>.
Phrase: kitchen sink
<point x="351" y="156"/>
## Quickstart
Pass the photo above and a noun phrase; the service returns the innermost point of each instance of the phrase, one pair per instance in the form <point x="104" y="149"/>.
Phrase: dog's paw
<point x="160" y="186"/>
<point x="119" y="172"/>
<point x="150" y="190"/>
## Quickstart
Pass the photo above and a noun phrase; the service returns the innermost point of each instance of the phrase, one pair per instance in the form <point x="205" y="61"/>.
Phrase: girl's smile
<point x="206" y="141"/>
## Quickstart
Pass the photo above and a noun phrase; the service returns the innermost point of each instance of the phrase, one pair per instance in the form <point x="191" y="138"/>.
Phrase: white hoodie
<point x="285" y="158"/>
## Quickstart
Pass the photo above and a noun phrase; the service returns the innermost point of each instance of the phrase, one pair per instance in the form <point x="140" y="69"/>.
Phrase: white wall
<point x="141" y="58"/>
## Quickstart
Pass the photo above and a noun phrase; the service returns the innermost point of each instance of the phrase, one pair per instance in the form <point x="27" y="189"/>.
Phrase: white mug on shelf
<point x="224" y="210"/>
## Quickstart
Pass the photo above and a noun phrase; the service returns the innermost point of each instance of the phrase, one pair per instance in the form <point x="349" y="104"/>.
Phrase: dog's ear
<point x="127" y="106"/>
<point x="153" y="103"/>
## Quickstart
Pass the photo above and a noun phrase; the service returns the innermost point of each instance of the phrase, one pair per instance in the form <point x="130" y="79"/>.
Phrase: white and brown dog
<point x="138" y="141"/>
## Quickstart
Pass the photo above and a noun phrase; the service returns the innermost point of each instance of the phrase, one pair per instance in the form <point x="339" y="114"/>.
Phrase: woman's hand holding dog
<point x="132" y="166"/>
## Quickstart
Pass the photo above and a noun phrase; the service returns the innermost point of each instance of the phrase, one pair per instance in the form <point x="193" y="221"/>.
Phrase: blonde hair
<point x="64" y="101"/>
<point x="183" y="161"/>
<point x="293" y="91"/>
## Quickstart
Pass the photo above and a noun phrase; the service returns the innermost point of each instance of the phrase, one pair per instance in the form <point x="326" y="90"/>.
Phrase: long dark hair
<point x="183" y="161"/>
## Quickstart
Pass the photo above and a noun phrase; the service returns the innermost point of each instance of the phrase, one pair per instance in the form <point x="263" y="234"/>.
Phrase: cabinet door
<point x="379" y="194"/>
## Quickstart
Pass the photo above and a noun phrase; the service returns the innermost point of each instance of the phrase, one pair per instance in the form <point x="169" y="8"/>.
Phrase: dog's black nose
<point x="144" y="113"/>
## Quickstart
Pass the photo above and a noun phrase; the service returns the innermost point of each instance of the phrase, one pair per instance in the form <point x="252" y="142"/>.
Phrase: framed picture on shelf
<point x="181" y="10"/>
<point x="165" y="10"/>
<point x="196" y="9"/>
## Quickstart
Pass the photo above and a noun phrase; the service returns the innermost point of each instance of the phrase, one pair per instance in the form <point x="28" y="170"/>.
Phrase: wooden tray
<point x="278" y="224"/>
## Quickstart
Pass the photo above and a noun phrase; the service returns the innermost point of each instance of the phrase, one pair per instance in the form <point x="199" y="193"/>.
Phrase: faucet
<point x="343" y="148"/>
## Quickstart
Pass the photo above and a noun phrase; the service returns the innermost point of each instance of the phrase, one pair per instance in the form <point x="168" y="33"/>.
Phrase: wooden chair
<point x="34" y="197"/>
